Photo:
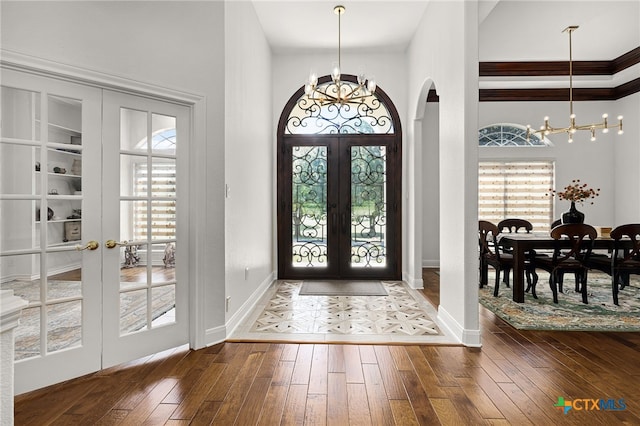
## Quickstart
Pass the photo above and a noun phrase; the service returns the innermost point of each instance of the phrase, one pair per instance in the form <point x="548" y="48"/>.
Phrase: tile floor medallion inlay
<point x="284" y="315"/>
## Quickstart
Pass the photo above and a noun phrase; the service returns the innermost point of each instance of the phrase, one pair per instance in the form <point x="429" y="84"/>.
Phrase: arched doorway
<point x="339" y="188"/>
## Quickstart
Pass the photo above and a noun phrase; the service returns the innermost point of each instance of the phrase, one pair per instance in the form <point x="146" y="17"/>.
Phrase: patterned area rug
<point x="600" y="314"/>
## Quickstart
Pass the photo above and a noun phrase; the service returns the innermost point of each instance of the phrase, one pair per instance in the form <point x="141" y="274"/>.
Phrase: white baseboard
<point x="414" y="283"/>
<point x="430" y="263"/>
<point x="215" y="335"/>
<point x="470" y="338"/>
<point x="248" y="306"/>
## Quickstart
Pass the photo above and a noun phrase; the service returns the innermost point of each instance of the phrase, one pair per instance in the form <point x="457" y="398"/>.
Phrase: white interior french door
<point x="50" y="231"/>
<point x="81" y="166"/>
<point x="145" y="288"/>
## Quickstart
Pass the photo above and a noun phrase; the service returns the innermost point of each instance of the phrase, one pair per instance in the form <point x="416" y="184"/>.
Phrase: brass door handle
<point x="91" y="245"/>
<point x="113" y="243"/>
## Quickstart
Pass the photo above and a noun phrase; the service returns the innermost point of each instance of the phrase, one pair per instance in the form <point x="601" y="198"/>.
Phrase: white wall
<point x="177" y="45"/>
<point x="627" y="157"/>
<point x="290" y="72"/>
<point x="248" y="151"/>
<point x="450" y="60"/>
<point x="430" y="183"/>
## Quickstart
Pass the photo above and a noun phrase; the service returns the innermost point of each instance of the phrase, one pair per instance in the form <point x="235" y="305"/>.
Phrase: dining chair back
<point x="623" y="261"/>
<point x="491" y="254"/>
<point x="573" y="258"/>
<point x="515" y="225"/>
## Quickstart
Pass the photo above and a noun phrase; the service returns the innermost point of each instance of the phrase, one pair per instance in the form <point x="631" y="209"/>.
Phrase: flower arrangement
<point x="576" y="192"/>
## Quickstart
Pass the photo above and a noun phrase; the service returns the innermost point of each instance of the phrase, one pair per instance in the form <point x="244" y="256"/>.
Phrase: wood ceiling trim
<point x="554" y="68"/>
<point x="579" y="94"/>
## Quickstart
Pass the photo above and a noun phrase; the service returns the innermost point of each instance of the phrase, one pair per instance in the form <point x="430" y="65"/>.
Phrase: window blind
<point x="516" y="189"/>
<point x="163" y="204"/>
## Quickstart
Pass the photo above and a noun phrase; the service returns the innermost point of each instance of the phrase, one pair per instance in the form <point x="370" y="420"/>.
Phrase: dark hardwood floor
<point x="515" y="378"/>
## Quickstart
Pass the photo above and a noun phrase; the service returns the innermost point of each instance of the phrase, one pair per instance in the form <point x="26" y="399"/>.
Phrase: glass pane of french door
<point x="368" y="207"/>
<point x="309" y="206"/>
<point x="144" y="139"/>
<point x="48" y="129"/>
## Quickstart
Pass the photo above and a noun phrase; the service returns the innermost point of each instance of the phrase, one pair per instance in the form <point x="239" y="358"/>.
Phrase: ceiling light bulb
<point x="620" y="117"/>
<point x="620" y="131"/>
<point x="371" y="85"/>
<point x="572" y="116"/>
<point x="570" y="139"/>
<point x="593" y="138"/>
<point x="605" y="130"/>
<point x="605" y="115"/>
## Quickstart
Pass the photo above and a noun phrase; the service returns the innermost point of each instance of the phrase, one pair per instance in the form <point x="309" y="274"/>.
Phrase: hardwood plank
<point x="444" y="369"/>
<point x="319" y="370"/>
<point x="290" y="352"/>
<point x="235" y="397"/>
<point x="353" y="364"/>
<point x="234" y="364"/>
<point x="316" y="410"/>
<point x="509" y="410"/>
<point x="189" y="405"/>
<point x="480" y="399"/>
<point x="302" y="367"/>
<point x="423" y="369"/>
<point x="144" y="409"/>
<point x="464" y="406"/>
<point x="274" y="402"/>
<point x="401" y="358"/>
<point x="295" y="405"/>
<point x="525" y="404"/>
<point x="336" y="359"/>
<point x="419" y="398"/>
<point x="206" y="413"/>
<point x="359" y="413"/>
<point x="160" y="415"/>
<point x="379" y="407"/>
<point x="271" y="360"/>
<point x="337" y="406"/>
<point x="250" y="411"/>
<point x="390" y="377"/>
<point x="446" y="411"/>
<point x="403" y="413"/>
<point x="367" y="354"/>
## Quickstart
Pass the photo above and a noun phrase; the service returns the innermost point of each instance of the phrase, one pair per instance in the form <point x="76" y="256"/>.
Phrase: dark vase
<point x="573" y="215"/>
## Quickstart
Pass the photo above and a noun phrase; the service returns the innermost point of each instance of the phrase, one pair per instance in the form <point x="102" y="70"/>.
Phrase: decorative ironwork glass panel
<point x="508" y="135"/>
<point x="368" y="206"/>
<point x="309" y="206"/>
<point x="310" y="117"/>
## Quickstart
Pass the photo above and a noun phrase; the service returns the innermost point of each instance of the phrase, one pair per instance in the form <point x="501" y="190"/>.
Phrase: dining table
<point x="521" y="243"/>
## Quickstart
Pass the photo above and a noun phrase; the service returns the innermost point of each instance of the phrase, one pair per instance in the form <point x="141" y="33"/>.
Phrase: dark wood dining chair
<point x="555" y="223"/>
<point x="623" y="261"/>
<point x="515" y="225"/>
<point x="490" y="254"/>
<point x="574" y="259"/>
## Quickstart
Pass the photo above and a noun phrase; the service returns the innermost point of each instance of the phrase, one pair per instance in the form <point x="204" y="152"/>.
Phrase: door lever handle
<point x="91" y="245"/>
<point x="113" y="243"/>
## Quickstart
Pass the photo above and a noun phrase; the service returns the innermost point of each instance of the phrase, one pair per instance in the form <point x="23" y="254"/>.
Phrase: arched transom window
<point x="310" y="117"/>
<point x="508" y="135"/>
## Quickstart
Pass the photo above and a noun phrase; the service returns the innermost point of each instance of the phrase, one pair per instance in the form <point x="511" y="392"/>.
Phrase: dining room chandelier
<point x="548" y="129"/>
<point x="338" y="92"/>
